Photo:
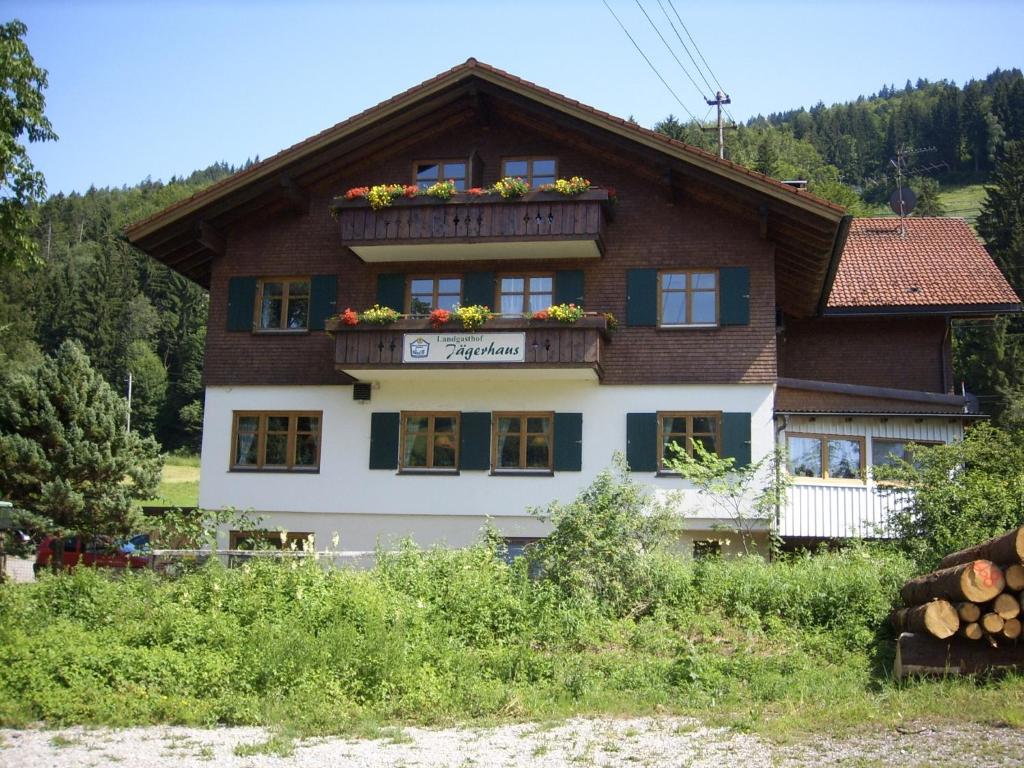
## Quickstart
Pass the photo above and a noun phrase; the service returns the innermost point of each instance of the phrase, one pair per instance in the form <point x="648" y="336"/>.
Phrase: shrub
<point x="603" y="542"/>
<point x="961" y="494"/>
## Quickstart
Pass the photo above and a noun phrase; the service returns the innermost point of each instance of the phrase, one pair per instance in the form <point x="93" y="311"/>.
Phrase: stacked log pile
<point x="966" y="616"/>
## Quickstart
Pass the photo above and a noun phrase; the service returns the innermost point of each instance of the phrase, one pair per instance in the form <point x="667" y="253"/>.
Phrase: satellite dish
<point x="903" y="201"/>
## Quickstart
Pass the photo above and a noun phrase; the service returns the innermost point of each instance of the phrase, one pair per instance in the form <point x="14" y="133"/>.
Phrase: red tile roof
<point x="939" y="262"/>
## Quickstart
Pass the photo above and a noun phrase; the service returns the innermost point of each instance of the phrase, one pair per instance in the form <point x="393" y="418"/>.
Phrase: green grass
<point x="444" y="637"/>
<point x="963" y="201"/>
<point x="179" y="483"/>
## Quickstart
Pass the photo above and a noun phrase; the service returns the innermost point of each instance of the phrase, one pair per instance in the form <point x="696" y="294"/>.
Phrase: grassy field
<point x="179" y="484"/>
<point x="963" y="201"/>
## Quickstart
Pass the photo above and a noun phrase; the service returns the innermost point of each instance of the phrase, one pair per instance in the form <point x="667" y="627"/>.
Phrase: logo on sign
<point x="419" y="348"/>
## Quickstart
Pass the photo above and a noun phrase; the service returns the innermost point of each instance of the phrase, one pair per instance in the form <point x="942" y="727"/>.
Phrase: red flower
<point x="411" y="190"/>
<point x="439" y="317"/>
<point x="356" y="192"/>
<point x="349" y="317"/>
<point x="540" y="315"/>
<point x="476" y="191"/>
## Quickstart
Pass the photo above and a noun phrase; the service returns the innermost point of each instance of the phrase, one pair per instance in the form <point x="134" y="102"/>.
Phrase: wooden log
<point x="924" y="655"/>
<point x="1006" y="605"/>
<point x="992" y="623"/>
<point x="937" y="618"/>
<point x="1011" y="629"/>
<point x="978" y="581"/>
<point x="968" y="612"/>
<point x="1015" y="577"/>
<point x="972" y="631"/>
<point x="1007" y="549"/>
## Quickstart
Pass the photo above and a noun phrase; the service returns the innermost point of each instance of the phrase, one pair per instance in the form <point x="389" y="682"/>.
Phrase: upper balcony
<point x="504" y="347"/>
<point x="539" y="225"/>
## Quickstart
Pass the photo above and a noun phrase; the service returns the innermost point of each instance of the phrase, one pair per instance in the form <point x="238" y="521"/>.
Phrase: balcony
<point x="540" y="225"/>
<point x="504" y="348"/>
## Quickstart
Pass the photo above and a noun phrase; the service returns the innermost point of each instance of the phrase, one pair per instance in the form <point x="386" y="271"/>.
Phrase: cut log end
<point x="969" y="612"/>
<point x="1006" y="605"/>
<point x="977" y="581"/>
<point x="1015" y="577"/>
<point x="992" y="623"/>
<point x="937" y="618"/>
<point x="1011" y="629"/>
<point x="972" y="631"/>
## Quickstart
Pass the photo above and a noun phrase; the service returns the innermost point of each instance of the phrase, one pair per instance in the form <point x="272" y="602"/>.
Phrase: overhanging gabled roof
<point x="807" y="231"/>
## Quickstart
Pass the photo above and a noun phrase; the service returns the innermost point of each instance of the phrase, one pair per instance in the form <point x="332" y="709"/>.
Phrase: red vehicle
<point x="132" y="553"/>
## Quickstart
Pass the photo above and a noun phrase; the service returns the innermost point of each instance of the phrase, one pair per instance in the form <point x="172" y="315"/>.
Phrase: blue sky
<point x="161" y="88"/>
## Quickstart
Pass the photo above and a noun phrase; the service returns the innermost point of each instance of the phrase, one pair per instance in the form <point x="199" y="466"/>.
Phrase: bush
<point x="963" y="493"/>
<point x="602" y="544"/>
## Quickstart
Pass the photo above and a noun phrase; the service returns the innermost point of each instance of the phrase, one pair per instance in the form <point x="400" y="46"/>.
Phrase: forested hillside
<point x="129" y="312"/>
<point x="132" y="314"/>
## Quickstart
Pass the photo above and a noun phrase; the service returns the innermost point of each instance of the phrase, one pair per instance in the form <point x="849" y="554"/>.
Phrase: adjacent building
<point x="720" y="306"/>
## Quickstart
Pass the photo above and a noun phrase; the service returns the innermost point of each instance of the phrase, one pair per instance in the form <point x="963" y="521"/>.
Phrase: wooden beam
<point x="482" y="108"/>
<point x="210" y="237"/>
<point x="298" y="199"/>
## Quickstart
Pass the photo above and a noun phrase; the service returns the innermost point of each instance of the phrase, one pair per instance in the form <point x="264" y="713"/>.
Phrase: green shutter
<point x="478" y="289"/>
<point x="642" y="297"/>
<point x="642" y="441"/>
<point x="569" y="287"/>
<point x="736" y="437"/>
<point x="475" y="441"/>
<point x="384" y="440"/>
<point x="391" y="291"/>
<point x="568" y="442"/>
<point x="734" y="308"/>
<point x="241" y="301"/>
<point x="323" y="299"/>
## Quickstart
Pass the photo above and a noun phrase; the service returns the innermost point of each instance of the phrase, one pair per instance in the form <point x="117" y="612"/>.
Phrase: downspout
<point x="781" y="423"/>
<point x="946" y="336"/>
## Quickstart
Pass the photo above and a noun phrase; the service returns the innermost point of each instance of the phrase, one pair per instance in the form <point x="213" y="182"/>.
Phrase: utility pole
<point x="718" y="101"/>
<point x="128" y="426"/>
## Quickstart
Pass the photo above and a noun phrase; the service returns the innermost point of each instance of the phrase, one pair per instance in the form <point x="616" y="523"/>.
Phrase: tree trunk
<point x="938" y="618"/>
<point x="978" y="581"/>
<point x="972" y="631"/>
<point x="1007" y="549"/>
<point x="1007" y="605"/>
<point x="57" y="555"/>
<point x="924" y="655"/>
<point x="968" y="612"/>
<point x="992" y="623"/>
<point x="1015" y="577"/>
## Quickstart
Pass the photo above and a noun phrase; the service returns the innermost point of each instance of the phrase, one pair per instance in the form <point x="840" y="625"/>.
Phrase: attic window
<point x="535" y="171"/>
<point x="914" y="289"/>
<point x="428" y="172"/>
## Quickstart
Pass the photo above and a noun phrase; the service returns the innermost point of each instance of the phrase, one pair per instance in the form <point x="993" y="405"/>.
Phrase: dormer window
<point x="535" y="171"/>
<point x="428" y="172"/>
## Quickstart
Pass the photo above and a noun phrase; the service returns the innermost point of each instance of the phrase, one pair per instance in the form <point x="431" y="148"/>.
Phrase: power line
<point x="697" y="48"/>
<point x="695" y="64"/>
<point x="658" y="31"/>
<point x="653" y="69"/>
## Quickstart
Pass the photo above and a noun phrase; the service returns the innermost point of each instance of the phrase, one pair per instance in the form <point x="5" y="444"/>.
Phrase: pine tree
<point x="65" y="456"/>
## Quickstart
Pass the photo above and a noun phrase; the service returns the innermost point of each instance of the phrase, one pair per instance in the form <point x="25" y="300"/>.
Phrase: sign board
<point x="473" y="348"/>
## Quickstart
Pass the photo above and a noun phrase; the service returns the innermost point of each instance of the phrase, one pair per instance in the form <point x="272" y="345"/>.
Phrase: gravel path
<point x="664" y="741"/>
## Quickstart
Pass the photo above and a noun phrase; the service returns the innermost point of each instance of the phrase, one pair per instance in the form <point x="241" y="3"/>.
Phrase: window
<point x="522" y="294"/>
<point x="522" y="441"/>
<point x="276" y="440"/>
<point x="706" y="549"/>
<point x="282" y="304"/>
<point x="429" y="293"/>
<point x="535" y="171"/>
<point x="428" y="172"/>
<point x="688" y="298"/>
<point x="885" y="452"/>
<point x="684" y="429"/>
<point x="825" y="456"/>
<point x="430" y="441"/>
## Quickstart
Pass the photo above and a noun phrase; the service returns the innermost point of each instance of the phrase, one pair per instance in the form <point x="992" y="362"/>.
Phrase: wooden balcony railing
<point x="538" y="344"/>
<point x="539" y="216"/>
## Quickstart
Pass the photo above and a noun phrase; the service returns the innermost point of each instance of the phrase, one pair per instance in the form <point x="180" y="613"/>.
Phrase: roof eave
<point x="951" y="310"/>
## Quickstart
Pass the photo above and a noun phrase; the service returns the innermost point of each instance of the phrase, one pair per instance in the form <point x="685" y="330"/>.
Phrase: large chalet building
<point x="721" y="306"/>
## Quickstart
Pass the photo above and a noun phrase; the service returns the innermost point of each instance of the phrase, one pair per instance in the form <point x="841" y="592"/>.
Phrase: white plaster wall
<point x="360" y="504"/>
<point x="839" y="509"/>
